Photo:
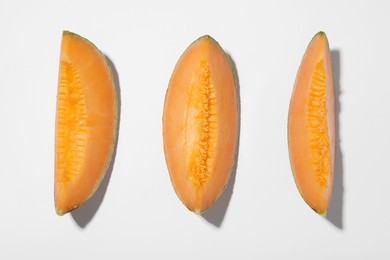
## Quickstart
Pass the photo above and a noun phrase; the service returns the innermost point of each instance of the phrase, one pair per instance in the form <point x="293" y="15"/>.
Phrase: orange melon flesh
<point x="200" y="124"/>
<point x="311" y="126"/>
<point x="86" y="122"/>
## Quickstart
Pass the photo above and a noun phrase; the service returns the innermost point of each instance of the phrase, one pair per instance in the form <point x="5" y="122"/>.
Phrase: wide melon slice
<point x="86" y="122"/>
<point x="200" y="124"/>
<point x="311" y="126"/>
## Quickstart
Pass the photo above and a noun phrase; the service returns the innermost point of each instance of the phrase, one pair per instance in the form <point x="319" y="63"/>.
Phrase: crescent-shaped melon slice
<point x="86" y="122"/>
<point x="311" y="126"/>
<point x="200" y="124"/>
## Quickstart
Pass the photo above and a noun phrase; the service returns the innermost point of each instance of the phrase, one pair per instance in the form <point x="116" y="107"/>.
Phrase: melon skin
<point x="86" y="122"/>
<point x="311" y="126"/>
<point x="200" y="124"/>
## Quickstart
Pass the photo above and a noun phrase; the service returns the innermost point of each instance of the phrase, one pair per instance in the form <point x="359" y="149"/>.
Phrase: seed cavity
<point x="318" y="124"/>
<point x="201" y="126"/>
<point x="72" y="124"/>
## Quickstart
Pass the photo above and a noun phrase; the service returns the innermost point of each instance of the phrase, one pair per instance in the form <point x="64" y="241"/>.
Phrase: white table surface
<point x="135" y="214"/>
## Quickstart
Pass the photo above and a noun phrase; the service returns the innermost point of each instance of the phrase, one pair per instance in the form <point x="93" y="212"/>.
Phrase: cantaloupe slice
<point x="86" y="122"/>
<point x="200" y="124"/>
<point x="311" y="126"/>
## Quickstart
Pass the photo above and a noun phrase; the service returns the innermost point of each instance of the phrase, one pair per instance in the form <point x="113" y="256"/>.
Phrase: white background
<point x="135" y="214"/>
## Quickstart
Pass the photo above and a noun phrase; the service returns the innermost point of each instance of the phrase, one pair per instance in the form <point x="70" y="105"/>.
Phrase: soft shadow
<point x="216" y="214"/>
<point x="84" y="214"/>
<point x="335" y="210"/>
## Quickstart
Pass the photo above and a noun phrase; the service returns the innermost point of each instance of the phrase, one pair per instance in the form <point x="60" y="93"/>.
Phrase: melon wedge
<point x="86" y="122"/>
<point x="200" y="124"/>
<point x="311" y="126"/>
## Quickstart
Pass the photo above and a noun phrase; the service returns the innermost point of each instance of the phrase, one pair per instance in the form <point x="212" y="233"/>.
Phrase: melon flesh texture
<point x="311" y="126"/>
<point x="200" y="124"/>
<point x="86" y="122"/>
